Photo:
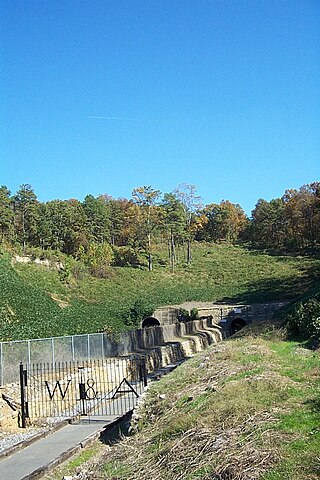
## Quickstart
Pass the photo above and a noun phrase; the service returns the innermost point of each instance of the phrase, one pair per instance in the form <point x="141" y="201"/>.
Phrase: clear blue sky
<point x="223" y="94"/>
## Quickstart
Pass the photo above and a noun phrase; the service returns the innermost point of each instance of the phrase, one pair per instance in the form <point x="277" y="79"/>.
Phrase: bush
<point x="194" y="314"/>
<point x="185" y="316"/>
<point x="139" y="310"/>
<point x="97" y="257"/>
<point x="304" y="321"/>
<point x="126" y="257"/>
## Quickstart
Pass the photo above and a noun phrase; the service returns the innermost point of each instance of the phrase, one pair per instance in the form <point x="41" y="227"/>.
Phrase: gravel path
<point x="9" y="440"/>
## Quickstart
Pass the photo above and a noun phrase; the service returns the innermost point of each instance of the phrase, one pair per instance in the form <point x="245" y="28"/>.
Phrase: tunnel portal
<point x="150" y="322"/>
<point x="237" y="324"/>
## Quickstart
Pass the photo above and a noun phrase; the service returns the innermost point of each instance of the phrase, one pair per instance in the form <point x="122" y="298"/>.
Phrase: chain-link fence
<point x="93" y="346"/>
<point x="71" y="348"/>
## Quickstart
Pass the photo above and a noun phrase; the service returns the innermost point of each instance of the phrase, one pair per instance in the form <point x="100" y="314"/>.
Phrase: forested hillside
<point x="112" y="261"/>
<point x="103" y="230"/>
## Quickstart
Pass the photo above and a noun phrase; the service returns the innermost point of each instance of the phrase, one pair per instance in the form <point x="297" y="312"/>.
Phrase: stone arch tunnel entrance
<point x="150" y="322"/>
<point x="237" y="324"/>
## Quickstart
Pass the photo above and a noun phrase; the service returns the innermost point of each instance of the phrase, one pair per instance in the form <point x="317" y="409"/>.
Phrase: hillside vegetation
<point x="36" y="301"/>
<point x="121" y="258"/>
<point x="244" y="409"/>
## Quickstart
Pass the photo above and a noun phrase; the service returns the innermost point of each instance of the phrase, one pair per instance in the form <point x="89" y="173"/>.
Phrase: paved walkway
<point x="34" y="460"/>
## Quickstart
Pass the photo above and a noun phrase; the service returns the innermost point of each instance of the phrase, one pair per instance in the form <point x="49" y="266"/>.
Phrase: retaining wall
<point x="162" y="344"/>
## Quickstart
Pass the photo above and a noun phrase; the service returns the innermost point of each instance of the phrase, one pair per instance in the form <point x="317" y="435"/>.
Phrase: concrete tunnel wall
<point x="223" y="315"/>
<point x="198" y="331"/>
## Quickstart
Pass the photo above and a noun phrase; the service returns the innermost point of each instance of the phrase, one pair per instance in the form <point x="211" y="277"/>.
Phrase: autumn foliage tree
<point x="290" y="223"/>
<point x="223" y="222"/>
<point x="110" y="231"/>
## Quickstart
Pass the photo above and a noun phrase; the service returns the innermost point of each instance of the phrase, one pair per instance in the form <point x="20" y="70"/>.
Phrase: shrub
<point x="194" y="314"/>
<point x="185" y="316"/>
<point x="139" y="310"/>
<point x="304" y="321"/>
<point x="97" y="257"/>
<point x="126" y="257"/>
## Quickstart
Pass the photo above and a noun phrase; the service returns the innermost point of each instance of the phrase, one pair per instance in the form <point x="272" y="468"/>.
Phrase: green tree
<point x="268" y="227"/>
<point x="97" y="214"/>
<point x="57" y="219"/>
<point x="26" y="215"/>
<point x="76" y="232"/>
<point x="146" y="197"/>
<point x="66" y="227"/>
<point x="44" y="232"/>
<point x="6" y="214"/>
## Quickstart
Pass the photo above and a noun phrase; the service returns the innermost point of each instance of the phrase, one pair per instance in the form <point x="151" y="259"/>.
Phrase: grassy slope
<point x="247" y="408"/>
<point x="218" y="273"/>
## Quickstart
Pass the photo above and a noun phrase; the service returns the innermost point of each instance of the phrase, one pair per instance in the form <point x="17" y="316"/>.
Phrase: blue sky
<point x="105" y="96"/>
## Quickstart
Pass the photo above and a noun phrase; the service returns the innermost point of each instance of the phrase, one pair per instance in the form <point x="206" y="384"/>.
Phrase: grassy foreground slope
<point x="245" y="409"/>
<point x="35" y="303"/>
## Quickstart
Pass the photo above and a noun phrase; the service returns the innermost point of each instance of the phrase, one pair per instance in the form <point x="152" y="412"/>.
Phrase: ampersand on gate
<point x="91" y="394"/>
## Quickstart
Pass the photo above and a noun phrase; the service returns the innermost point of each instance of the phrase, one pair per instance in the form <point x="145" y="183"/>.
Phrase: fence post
<point x="82" y="391"/>
<point x="23" y="382"/>
<point x="29" y="352"/>
<point x="52" y="351"/>
<point x="1" y="365"/>
<point x="143" y="371"/>
<point x="102" y="345"/>
<point x="72" y="347"/>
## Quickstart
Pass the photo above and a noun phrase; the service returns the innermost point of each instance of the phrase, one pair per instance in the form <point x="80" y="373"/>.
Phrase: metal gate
<point x="94" y="388"/>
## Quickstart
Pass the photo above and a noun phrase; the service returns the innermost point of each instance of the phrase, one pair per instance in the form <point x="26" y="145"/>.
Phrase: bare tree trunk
<point x="189" y="252"/>
<point x="149" y="253"/>
<point x="183" y="250"/>
<point x="173" y="253"/>
<point x="23" y="233"/>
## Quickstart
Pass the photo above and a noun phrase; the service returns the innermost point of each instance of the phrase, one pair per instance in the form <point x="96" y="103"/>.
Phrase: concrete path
<point x="31" y="462"/>
<point x="34" y="460"/>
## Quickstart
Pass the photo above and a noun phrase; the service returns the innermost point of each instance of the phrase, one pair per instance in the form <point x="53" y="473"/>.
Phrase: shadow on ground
<point x="281" y="289"/>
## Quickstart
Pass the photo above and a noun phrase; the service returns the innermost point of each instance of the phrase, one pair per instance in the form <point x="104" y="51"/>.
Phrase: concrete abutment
<point x="230" y="318"/>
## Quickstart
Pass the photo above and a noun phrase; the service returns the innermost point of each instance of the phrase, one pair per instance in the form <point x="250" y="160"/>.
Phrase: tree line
<point x="103" y="230"/>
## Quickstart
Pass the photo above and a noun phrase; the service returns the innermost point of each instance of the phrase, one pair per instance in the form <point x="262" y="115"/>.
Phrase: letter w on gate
<point x="57" y="385"/>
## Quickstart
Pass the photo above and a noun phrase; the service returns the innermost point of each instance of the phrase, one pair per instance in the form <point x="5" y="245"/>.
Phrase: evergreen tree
<point x="98" y="222"/>
<point x="26" y="215"/>
<point x="6" y="214"/>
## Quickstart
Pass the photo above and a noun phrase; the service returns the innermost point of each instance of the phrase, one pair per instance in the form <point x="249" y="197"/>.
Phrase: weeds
<point x="215" y="418"/>
<point x="233" y="412"/>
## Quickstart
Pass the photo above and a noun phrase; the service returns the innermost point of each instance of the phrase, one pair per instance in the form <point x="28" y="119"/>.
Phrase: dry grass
<point x="233" y="412"/>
